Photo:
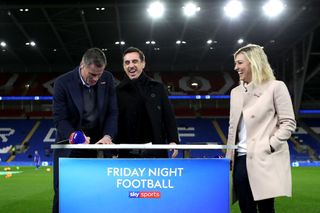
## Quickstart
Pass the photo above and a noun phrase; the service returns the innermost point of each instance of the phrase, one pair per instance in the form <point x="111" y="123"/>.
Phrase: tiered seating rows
<point x="191" y="131"/>
<point x="36" y="81"/>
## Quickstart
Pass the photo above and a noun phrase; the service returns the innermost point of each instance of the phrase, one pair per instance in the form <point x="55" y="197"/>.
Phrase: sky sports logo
<point x="150" y="194"/>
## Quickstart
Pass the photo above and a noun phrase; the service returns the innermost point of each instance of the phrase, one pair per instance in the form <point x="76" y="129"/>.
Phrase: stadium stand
<point x="21" y="137"/>
<point x="12" y="113"/>
<point x="199" y="121"/>
<point x="5" y="84"/>
<point x="20" y="86"/>
<point x="39" y="114"/>
<point x="38" y="88"/>
<point x="40" y="140"/>
<point x="206" y="82"/>
<point x="185" y="112"/>
<point x="298" y="152"/>
<point x="25" y="136"/>
<point x="213" y="112"/>
<point x="39" y="134"/>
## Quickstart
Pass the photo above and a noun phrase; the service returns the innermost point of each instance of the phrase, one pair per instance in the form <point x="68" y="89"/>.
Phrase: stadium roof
<point x="62" y="32"/>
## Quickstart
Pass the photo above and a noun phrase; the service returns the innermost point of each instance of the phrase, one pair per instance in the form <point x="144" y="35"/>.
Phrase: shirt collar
<point x="83" y="82"/>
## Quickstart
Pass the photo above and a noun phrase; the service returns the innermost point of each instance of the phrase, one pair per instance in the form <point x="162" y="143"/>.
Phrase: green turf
<point x="32" y="191"/>
<point x="305" y="194"/>
<point x="29" y="191"/>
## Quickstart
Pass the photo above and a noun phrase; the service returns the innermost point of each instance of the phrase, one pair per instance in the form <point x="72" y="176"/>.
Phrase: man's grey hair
<point x="94" y="56"/>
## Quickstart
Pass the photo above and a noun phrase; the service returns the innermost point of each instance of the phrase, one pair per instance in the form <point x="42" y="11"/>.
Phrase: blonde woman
<point x="261" y="122"/>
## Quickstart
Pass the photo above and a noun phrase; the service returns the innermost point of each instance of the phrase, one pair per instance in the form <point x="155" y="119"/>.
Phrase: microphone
<point x="77" y="137"/>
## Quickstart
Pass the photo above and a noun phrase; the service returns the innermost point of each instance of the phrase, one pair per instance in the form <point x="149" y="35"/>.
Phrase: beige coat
<point x="269" y="120"/>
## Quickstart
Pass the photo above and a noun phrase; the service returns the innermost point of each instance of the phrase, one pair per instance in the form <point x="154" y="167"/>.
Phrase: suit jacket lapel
<point x="76" y="89"/>
<point x="100" y="95"/>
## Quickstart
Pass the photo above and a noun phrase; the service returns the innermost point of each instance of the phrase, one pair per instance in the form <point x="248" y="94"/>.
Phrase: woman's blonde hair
<point x="260" y="67"/>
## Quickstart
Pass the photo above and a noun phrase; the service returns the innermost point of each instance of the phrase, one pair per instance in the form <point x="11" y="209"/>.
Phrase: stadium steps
<point x="29" y="135"/>
<point x="311" y="132"/>
<point x="199" y="131"/>
<point x="297" y="146"/>
<point x="219" y="131"/>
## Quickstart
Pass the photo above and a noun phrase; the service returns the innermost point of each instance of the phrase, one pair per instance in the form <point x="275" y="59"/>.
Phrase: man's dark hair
<point x="94" y="56"/>
<point x="134" y="50"/>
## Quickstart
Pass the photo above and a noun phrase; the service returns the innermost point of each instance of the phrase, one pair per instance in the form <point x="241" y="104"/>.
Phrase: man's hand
<point x="175" y="151"/>
<point x="87" y="140"/>
<point x="105" y="140"/>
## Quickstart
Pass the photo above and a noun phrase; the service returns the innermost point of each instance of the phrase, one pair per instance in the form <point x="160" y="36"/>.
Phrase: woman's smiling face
<point x="243" y="68"/>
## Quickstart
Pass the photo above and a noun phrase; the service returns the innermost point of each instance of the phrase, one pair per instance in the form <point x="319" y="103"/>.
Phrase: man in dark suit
<point x="84" y="99"/>
<point x="145" y="114"/>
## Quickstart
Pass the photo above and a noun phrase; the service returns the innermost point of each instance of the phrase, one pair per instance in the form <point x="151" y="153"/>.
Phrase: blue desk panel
<point x="144" y="185"/>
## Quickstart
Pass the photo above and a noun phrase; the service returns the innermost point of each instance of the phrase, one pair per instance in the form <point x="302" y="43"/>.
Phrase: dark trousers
<point x="244" y="193"/>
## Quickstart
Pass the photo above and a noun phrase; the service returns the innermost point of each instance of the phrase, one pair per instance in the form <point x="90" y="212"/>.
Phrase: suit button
<point x="252" y="116"/>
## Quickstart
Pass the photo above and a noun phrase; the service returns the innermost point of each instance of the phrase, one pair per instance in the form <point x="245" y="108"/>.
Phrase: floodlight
<point x="180" y="42"/>
<point x="273" y="8"/>
<point x="151" y="42"/>
<point x="119" y="43"/>
<point x="31" y="43"/>
<point x="233" y="8"/>
<point x="190" y="9"/>
<point x="240" y="41"/>
<point x="23" y="9"/>
<point x="156" y="9"/>
<point x="3" y="44"/>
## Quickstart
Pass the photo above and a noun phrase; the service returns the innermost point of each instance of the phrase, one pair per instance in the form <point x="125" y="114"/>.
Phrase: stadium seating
<point x="180" y="83"/>
<point x="27" y="135"/>
<point x="13" y="113"/>
<point x="37" y="88"/>
<point x="204" y="122"/>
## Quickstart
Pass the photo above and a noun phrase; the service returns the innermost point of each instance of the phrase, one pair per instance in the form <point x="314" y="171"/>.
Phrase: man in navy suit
<point x="84" y="99"/>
